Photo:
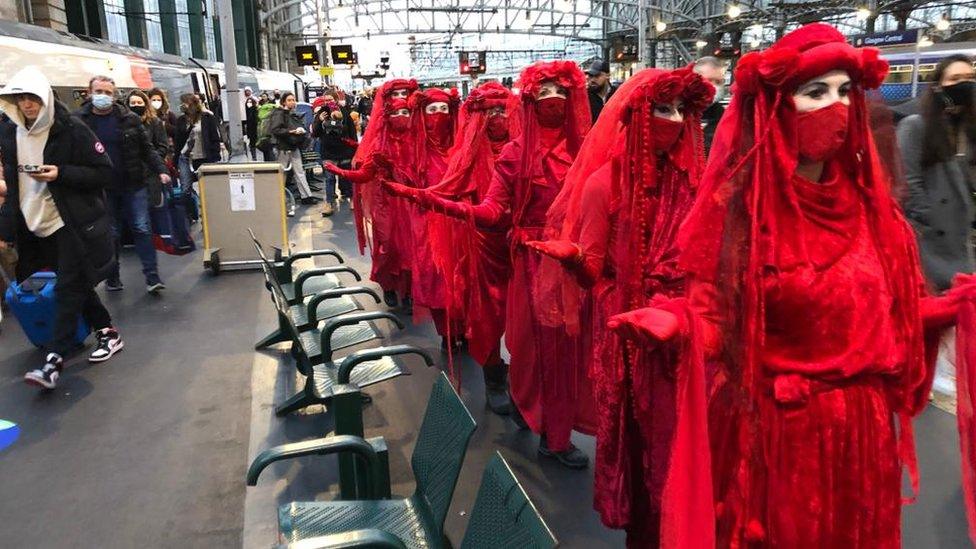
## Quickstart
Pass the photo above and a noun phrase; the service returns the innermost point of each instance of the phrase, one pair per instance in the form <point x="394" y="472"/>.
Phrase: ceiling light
<point x="734" y="11"/>
<point x="862" y="13"/>
<point x="701" y="44"/>
<point x="942" y="24"/>
<point x="661" y="26"/>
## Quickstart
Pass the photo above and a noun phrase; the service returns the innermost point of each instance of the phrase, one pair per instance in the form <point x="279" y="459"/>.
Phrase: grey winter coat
<point x="939" y="206"/>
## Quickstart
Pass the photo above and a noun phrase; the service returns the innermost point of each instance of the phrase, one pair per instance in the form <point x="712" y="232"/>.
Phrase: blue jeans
<point x="330" y="186"/>
<point x="132" y="209"/>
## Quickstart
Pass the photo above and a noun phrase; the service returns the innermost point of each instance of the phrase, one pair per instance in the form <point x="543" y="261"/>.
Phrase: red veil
<point x="401" y="151"/>
<point x="649" y="197"/>
<point x="745" y="226"/>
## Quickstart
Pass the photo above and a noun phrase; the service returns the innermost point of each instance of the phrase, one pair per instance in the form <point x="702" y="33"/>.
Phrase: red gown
<point x="428" y="290"/>
<point x="546" y="382"/>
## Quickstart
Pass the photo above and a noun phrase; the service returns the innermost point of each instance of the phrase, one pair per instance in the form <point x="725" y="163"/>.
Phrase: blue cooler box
<point x="32" y="302"/>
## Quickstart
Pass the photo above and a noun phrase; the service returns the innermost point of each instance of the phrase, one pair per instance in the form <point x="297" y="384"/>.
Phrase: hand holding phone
<point x="45" y="173"/>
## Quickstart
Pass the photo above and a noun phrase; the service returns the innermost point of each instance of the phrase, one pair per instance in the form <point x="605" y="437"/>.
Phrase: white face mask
<point x="156" y="104"/>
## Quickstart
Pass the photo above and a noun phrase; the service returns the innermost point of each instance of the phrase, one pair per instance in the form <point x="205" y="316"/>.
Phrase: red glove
<point x="648" y="325"/>
<point x="561" y="250"/>
<point x="459" y="210"/>
<point x="396" y="189"/>
<point x="361" y="175"/>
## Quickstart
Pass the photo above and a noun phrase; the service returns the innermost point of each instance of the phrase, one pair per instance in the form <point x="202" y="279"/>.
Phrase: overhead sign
<point x="307" y="55"/>
<point x="326" y="71"/>
<point x="473" y="62"/>
<point x="890" y="38"/>
<point x="342" y="54"/>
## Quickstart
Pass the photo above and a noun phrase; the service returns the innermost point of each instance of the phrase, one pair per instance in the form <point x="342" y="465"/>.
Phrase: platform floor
<point x="150" y="449"/>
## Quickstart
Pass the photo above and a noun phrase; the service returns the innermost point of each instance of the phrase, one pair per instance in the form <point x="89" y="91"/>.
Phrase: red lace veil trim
<point x="623" y="136"/>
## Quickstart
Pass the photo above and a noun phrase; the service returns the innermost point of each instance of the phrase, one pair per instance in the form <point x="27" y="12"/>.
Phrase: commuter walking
<point x="197" y="140"/>
<point x="288" y="130"/>
<point x="160" y="102"/>
<point x="598" y="87"/>
<point x="136" y="167"/>
<point x="938" y="148"/>
<point x="251" y="121"/>
<point x="55" y="170"/>
<point x="139" y="104"/>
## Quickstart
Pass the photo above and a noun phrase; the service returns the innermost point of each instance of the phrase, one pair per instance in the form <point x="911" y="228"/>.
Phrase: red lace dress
<point x="547" y="383"/>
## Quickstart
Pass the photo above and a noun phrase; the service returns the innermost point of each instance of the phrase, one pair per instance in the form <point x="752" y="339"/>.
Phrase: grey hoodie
<point x="40" y="213"/>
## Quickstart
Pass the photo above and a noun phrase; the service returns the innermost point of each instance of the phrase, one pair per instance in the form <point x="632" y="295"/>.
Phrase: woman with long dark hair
<point x="139" y="103"/>
<point x="938" y="148"/>
<point x="160" y="103"/>
<point x="196" y="140"/>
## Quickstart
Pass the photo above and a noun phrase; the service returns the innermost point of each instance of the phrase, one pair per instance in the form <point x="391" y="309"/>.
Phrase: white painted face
<point x="823" y="91"/>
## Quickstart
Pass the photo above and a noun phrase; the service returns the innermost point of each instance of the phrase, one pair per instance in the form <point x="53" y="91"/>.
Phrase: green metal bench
<point x="308" y="281"/>
<point x="438" y="455"/>
<point x="503" y="517"/>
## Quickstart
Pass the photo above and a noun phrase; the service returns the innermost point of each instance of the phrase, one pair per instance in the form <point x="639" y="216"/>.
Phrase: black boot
<point x="496" y="388"/>
<point x="571" y="457"/>
<point x="407" y="304"/>
<point x="390" y="298"/>
<point x="516" y="415"/>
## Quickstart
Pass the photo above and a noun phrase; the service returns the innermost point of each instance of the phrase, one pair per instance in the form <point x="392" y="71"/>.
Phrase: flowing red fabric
<point x="622" y="204"/>
<point x="386" y="154"/>
<point x="377" y="139"/>
<point x="811" y="294"/>
<point x="965" y="397"/>
<point x="474" y="262"/>
<point x="428" y="292"/>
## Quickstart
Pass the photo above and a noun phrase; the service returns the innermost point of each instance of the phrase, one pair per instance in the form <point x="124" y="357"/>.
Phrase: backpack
<point x="264" y="120"/>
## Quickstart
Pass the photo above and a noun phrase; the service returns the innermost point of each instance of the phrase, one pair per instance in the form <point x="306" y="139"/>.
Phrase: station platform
<point x="150" y="449"/>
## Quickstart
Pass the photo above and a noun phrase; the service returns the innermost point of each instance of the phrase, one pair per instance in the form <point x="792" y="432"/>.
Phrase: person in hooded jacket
<point x="137" y="168"/>
<point x="139" y="103"/>
<point x="54" y="210"/>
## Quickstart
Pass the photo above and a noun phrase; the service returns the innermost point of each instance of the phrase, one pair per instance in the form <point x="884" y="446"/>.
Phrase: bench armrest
<point x="354" y="539"/>
<point x="351" y="319"/>
<point x="318" y="271"/>
<point x="313" y="304"/>
<point x="351" y="361"/>
<point x="292" y="258"/>
<point x="320" y="447"/>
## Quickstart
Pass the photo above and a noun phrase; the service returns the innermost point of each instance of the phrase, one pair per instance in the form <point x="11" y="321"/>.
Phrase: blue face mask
<point x="101" y="102"/>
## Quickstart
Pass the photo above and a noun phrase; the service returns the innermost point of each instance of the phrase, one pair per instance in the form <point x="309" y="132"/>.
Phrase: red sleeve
<point x="702" y="300"/>
<point x="498" y="200"/>
<point x="594" y="235"/>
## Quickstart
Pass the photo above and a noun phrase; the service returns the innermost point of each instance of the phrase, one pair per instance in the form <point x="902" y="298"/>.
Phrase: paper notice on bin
<point x="241" y="191"/>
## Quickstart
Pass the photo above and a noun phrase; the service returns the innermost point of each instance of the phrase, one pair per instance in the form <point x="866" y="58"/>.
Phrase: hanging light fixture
<point x="660" y="26"/>
<point x="943" y="23"/>
<point x="734" y="11"/>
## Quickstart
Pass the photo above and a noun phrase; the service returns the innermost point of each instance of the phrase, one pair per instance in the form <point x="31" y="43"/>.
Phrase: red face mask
<point x="551" y="111"/>
<point x="399" y="124"/>
<point x="821" y="133"/>
<point x="666" y="133"/>
<point x="497" y="128"/>
<point x="438" y="126"/>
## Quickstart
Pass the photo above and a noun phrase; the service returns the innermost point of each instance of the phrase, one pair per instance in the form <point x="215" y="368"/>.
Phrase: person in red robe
<point x="439" y="111"/>
<point x="805" y="298"/>
<point x="613" y="231"/>
<point x="548" y="385"/>
<point x="388" y="149"/>
<point x="473" y="262"/>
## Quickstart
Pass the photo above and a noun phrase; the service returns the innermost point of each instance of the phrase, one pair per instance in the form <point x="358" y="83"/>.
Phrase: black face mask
<point x="138" y="110"/>
<point x="961" y="94"/>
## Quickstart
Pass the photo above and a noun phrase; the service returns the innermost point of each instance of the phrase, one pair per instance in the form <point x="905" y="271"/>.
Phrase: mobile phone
<point x="30" y="168"/>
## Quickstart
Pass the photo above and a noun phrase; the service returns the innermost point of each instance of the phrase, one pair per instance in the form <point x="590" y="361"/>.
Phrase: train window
<point x="899" y="74"/>
<point x="925" y="71"/>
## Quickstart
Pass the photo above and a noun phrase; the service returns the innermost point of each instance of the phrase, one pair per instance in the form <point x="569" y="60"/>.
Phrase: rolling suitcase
<point x="32" y="303"/>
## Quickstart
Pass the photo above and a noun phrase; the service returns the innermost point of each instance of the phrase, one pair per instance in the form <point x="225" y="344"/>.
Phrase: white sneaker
<point x="46" y="376"/>
<point x="109" y="343"/>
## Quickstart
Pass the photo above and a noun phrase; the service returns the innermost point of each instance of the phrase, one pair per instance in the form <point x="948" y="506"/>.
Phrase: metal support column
<point x="229" y="50"/>
<point x="642" y="33"/>
<point x="167" y="24"/>
<point x="136" y="25"/>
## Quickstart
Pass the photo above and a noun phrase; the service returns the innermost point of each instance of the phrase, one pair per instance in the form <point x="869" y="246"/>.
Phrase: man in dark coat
<point x="251" y="120"/>
<point x="598" y="86"/>
<point x="713" y="70"/>
<point x="52" y="208"/>
<point x="126" y="142"/>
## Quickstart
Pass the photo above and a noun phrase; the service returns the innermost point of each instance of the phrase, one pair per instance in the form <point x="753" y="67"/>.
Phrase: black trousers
<point x="74" y="293"/>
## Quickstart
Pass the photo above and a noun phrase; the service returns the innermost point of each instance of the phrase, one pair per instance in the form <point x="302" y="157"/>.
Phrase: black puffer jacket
<point x="140" y="162"/>
<point x="282" y="122"/>
<point x="78" y="192"/>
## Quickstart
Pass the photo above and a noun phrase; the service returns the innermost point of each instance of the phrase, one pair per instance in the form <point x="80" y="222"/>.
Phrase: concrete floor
<point x="150" y="449"/>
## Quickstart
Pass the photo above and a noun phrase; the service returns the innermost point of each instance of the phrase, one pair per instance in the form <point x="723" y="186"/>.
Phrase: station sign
<point x="342" y="54"/>
<point x="307" y="56"/>
<point x="326" y="71"/>
<point x="883" y="39"/>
